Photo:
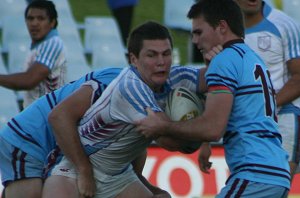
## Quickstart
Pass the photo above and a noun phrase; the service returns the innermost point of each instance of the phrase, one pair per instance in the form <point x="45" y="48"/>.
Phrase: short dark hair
<point x="44" y="5"/>
<point x="147" y="31"/>
<point x="214" y="11"/>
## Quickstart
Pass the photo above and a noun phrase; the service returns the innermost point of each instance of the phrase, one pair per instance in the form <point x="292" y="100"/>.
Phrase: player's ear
<point x="223" y="26"/>
<point x="133" y="59"/>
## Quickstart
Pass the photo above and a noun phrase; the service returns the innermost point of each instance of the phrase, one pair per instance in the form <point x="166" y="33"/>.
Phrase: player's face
<point x="204" y="36"/>
<point x="154" y="62"/>
<point x="250" y="7"/>
<point x="38" y="24"/>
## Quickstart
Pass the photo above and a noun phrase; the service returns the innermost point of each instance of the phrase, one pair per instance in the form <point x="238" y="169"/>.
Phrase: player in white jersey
<point x="276" y="38"/>
<point x="46" y="63"/>
<point x="108" y="139"/>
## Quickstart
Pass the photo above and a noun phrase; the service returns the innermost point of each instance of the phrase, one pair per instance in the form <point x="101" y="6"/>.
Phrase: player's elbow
<point x="214" y="133"/>
<point x="215" y="137"/>
<point x="53" y="117"/>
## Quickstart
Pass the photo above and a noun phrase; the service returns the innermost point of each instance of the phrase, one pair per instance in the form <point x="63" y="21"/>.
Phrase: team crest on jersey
<point x="264" y="42"/>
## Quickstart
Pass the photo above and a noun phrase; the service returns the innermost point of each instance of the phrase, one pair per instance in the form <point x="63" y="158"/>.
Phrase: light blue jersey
<point x="30" y="130"/>
<point x="252" y="142"/>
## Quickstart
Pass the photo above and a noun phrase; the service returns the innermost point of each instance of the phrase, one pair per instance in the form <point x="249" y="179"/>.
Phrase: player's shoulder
<point x="280" y="19"/>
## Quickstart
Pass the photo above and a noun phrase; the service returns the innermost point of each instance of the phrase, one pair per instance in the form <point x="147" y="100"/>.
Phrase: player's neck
<point x="251" y="20"/>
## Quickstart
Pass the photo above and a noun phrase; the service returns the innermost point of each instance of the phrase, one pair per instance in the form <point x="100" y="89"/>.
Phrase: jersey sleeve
<point x="221" y="76"/>
<point x="290" y="32"/>
<point x="97" y="87"/>
<point x="186" y="76"/>
<point x="130" y="101"/>
<point x="48" y="52"/>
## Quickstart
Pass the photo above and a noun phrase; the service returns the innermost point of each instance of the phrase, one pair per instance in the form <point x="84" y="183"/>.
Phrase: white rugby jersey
<point x="107" y="129"/>
<point x="276" y="39"/>
<point x="50" y="53"/>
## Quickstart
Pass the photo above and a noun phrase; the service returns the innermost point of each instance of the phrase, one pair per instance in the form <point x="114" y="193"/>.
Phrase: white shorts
<point x="107" y="185"/>
<point x="289" y="127"/>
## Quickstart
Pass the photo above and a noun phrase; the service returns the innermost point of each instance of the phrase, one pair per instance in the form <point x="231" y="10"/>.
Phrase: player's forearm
<point x="17" y="81"/>
<point x="198" y="129"/>
<point x="289" y="92"/>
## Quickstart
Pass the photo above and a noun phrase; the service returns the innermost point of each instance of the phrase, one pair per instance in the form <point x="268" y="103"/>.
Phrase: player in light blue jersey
<point x="240" y="107"/>
<point x="27" y="138"/>
<point x="276" y="38"/>
<point x="107" y="132"/>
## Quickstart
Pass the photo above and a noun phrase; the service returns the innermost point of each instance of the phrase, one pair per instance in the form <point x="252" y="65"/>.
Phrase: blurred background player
<point x="276" y="38"/>
<point x="123" y="11"/>
<point x="46" y="63"/>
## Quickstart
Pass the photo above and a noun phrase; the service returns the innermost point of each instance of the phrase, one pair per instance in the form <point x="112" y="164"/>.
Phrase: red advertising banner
<point x="180" y="175"/>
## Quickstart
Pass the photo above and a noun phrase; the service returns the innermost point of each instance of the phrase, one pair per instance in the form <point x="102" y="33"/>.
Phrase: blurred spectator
<point x="46" y="63"/>
<point x="123" y="11"/>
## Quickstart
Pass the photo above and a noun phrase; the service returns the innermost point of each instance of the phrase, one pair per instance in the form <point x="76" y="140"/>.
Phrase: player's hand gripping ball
<point x="183" y="104"/>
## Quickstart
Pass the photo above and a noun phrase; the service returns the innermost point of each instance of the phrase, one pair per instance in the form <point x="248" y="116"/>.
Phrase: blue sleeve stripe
<point x="99" y="91"/>
<point x="49" y="52"/>
<point x="133" y="97"/>
<point x="44" y="57"/>
<point x="213" y="76"/>
<point x="293" y="34"/>
<point x="142" y="90"/>
<point x="21" y="135"/>
<point x="125" y="93"/>
<point x="186" y="77"/>
<point x="238" y="50"/>
<point x="89" y="76"/>
<point x="250" y="168"/>
<point x="16" y="124"/>
<point x="249" y="92"/>
<point x="248" y="87"/>
<point x="51" y="99"/>
<point x="181" y="72"/>
<point x="56" y="52"/>
<point x="217" y="80"/>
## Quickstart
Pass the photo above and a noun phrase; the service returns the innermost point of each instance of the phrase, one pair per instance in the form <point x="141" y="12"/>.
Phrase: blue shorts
<point x="247" y="189"/>
<point x="16" y="164"/>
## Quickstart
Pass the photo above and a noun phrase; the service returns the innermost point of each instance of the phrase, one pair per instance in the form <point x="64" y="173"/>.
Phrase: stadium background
<point x="145" y="10"/>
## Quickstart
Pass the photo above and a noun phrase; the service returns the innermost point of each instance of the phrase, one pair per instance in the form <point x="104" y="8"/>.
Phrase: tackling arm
<point x="208" y="127"/>
<point x="64" y="118"/>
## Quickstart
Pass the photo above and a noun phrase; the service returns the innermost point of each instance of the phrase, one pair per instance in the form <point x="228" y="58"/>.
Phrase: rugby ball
<point x="182" y="104"/>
